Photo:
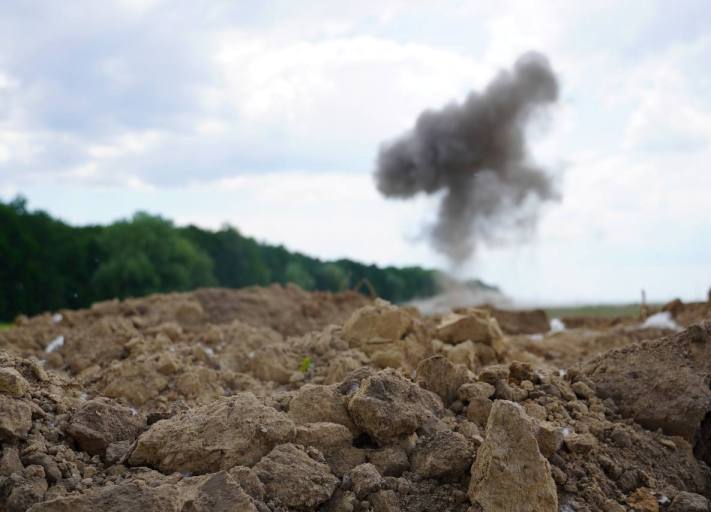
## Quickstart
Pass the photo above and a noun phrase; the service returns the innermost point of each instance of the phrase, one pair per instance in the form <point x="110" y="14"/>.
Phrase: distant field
<point x="4" y="326"/>
<point x="597" y="310"/>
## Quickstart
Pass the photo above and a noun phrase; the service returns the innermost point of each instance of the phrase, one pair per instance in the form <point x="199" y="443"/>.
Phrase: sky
<point x="269" y="116"/>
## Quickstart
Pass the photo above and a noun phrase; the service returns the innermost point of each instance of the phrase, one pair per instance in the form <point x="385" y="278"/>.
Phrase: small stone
<point x="15" y="419"/>
<point x="535" y="410"/>
<point x="446" y="454"/>
<point x="218" y="492"/>
<point x="12" y="383"/>
<point x="118" y="451"/>
<point x="520" y="372"/>
<point x="249" y="481"/>
<point x="28" y="489"/>
<point x="366" y="479"/>
<point x="472" y="390"/>
<point x="478" y="410"/>
<point x="475" y="325"/>
<point x="390" y="461"/>
<point x="439" y="375"/>
<point x="314" y="403"/>
<point x="344" y="459"/>
<point x="376" y="324"/>
<point x="388" y="406"/>
<point x="293" y="476"/>
<point x="100" y="422"/>
<point x="668" y="443"/>
<point x="689" y="502"/>
<point x="582" y="390"/>
<point x="341" y="501"/>
<point x="494" y="373"/>
<point x="325" y="436"/>
<point x="10" y="462"/>
<point x="505" y="391"/>
<point x="56" y="491"/>
<point x="385" y="501"/>
<point x="580" y="443"/>
<point x="49" y="465"/>
<point x="549" y="437"/>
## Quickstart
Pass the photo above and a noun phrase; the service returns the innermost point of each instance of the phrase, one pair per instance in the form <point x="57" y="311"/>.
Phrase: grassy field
<point x="4" y="326"/>
<point x="596" y="310"/>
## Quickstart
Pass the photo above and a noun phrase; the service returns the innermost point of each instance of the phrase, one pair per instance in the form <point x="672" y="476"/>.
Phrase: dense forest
<point x="46" y="265"/>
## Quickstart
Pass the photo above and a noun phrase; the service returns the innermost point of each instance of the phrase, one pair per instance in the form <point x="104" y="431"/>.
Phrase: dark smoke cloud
<point x="475" y="153"/>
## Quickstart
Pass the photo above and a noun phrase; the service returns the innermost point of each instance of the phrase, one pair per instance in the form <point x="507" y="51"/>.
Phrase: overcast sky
<point x="269" y="115"/>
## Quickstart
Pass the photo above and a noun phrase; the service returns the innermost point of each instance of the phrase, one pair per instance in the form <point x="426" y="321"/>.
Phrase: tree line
<point x="46" y="264"/>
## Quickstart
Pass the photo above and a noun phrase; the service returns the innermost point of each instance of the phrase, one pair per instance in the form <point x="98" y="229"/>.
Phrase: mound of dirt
<point x="279" y="400"/>
<point x="288" y="310"/>
<point x="688" y="313"/>
<point x="680" y="402"/>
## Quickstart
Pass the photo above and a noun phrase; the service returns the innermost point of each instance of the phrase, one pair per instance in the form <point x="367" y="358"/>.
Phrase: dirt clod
<point x="296" y="477"/>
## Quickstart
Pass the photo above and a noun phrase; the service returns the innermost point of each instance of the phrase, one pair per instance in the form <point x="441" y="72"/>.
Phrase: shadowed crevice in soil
<point x="702" y="442"/>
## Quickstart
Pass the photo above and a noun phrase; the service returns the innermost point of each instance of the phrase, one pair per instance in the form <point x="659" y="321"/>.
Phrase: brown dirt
<point x="275" y="399"/>
<point x="531" y="321"/>
<point x="689" y="313"/>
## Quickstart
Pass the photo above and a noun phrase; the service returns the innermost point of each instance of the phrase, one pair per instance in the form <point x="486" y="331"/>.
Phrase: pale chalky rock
<point x="370" y="327"/>
<point x="509" y="473"/>
<point x="475" y="325"/>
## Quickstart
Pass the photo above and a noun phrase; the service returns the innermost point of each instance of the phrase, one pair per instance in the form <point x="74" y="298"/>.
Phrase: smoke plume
<point x="475" y="153"/>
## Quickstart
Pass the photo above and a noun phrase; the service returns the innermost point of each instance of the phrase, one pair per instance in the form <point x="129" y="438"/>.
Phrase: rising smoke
<point x="476" y="154"/>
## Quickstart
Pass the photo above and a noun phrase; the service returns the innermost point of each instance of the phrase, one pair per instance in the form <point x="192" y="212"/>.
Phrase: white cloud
<point x="342" y="92"/>
<point x="673" y="112"/>
<point x="127" y="143"/>
<point x="7" y="82"/>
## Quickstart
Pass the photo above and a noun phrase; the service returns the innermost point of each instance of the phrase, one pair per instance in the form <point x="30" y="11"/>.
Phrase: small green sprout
<point x="306" y="364"/>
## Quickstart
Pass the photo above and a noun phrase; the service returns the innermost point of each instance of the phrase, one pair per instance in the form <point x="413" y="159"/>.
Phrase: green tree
<point x="296" y="273"/>
<point x="147" y="255"/>
<point x="46" y="264"/>
<point x="237" y="260"/>
<point x="331" y="276"/>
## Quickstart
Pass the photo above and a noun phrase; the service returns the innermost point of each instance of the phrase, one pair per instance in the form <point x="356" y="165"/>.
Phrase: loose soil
<point x="276" y="399"/>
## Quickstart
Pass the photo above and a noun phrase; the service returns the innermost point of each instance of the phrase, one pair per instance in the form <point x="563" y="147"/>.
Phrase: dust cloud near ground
<point x="275" y="399"/>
